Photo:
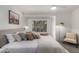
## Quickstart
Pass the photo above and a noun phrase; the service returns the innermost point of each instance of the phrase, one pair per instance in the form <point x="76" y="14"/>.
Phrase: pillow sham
<point x="17" y="37"/>
<point x="10" y="38"/>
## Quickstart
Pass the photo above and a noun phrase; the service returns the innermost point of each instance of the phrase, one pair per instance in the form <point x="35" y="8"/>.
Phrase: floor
<point x="70" y="47"/>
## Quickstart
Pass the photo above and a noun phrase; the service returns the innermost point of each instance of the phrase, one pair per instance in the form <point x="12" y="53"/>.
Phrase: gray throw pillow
<point x="3" y="40"/>
<point x="23" y="36"/>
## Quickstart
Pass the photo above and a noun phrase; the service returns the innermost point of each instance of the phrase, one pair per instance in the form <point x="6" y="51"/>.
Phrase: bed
<point x="46" y="44"/>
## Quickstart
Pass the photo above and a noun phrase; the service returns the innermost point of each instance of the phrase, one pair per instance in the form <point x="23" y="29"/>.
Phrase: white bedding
<point x="46" y="44"/>
<point x="49" y="45"/>
<point x="21" y="47"/>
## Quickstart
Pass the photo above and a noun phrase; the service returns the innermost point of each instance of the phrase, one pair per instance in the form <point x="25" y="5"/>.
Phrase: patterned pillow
<point x="36" y="35"/>
<point x="71" y="35"/>
<point x="29" y="35"/>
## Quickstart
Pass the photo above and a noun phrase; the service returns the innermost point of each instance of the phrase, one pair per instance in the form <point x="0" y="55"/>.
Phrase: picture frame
<point x="39" y="26"/>
<point x="13" y="17"/>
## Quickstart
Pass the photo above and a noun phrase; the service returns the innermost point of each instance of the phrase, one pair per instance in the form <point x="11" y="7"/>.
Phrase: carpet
<point x="70" y="47"/>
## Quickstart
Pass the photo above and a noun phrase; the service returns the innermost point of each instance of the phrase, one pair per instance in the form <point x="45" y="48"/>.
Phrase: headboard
<point x="8" y="31"/>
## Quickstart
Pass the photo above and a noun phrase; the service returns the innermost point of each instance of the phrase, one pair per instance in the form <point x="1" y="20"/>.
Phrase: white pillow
<point x="10" y="38"/>
<point x="17" y="37"/>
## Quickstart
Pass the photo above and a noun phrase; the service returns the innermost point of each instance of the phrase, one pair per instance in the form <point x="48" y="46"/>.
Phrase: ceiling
<point x="44" y="9"/>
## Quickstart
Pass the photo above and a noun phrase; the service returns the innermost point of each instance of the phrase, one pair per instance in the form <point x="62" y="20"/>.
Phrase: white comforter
<point x="46" y="44"/>
<point x="49" y="45"/>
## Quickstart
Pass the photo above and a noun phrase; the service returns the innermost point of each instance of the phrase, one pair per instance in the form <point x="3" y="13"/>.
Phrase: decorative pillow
<point x="17" y="37"/>
<point x="10" y="38"/>
<point x="71" y="35"/>
<point x="23" y="36"/>
<point x="3" y="40"/>
<point x="29" y="35"/>
<point x="36" y="35"/>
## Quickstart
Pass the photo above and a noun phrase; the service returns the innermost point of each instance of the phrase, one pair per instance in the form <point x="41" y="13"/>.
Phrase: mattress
<point x="46" y="44"/>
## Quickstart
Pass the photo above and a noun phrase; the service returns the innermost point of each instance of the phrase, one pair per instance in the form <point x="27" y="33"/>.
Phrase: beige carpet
<point x="71" y="48"/>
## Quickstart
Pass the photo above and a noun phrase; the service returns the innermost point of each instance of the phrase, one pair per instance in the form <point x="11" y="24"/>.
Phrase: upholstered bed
<point x="46" y="44"/>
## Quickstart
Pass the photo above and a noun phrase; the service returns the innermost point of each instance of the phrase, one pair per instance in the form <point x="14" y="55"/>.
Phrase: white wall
<point x="61" y="30"/>
<point x="4" y="18"/>
<point x="75" y="21"/>
<point x="66" y="18"/>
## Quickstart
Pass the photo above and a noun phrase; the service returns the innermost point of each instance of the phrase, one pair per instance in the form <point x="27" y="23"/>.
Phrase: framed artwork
<point x="39" y="26"/>
<point x="13" y="17"/>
